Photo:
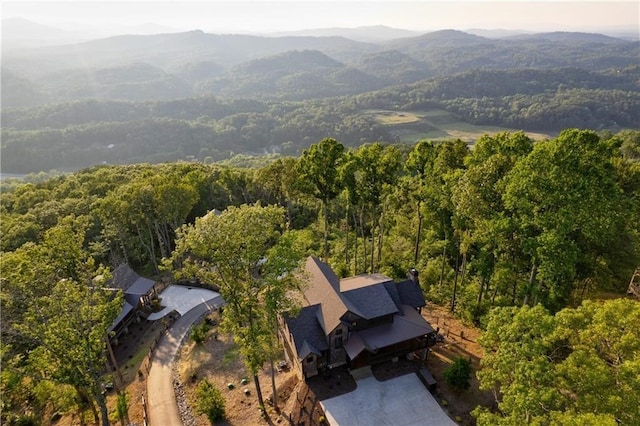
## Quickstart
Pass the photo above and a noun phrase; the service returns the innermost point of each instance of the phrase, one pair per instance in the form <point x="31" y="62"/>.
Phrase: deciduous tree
<point x="318" y="170"/>
<point x="582" y="363"/>
<point x="228" y="251"/>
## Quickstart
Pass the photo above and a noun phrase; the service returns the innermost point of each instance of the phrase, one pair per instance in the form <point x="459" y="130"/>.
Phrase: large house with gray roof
<point x="358" y="321"/>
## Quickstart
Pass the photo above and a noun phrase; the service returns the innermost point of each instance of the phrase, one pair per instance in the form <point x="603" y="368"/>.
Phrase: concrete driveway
<point x="403" y="401"/>
<point x="161" y="399"/>
<point x="192" y="303"/>
<point x="182" y="299"/>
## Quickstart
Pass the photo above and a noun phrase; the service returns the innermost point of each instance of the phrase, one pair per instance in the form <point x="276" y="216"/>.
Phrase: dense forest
<point x="511" y="223"/>
<point x="209" y="97"/>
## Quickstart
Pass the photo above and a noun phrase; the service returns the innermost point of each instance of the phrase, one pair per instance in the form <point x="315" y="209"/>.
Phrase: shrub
<point x="199" y="332"/>
<point x="457" y="374"/>
<point x="210" y="401"/>
<point x="122" y="406"/>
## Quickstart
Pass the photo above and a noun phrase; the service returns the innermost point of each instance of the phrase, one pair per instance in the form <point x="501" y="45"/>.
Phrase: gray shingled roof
<point x="367" y="297"/>
<point x="132" y="284"/>
<point x="323" y="288"/>
<point x="405" y="327"/>
<point x="371" y="302"/>
<point x="410" y="294"/>
<point x="393" y="293"/>
<point x="308" y="336"/>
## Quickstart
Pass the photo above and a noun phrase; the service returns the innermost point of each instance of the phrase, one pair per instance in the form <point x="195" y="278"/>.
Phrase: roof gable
<point x="130" y="282"/>
<point x="410" y="294"/>
<point x="371" y="302"/>
<point x="308" y="336"/>
<point x="367" y="296"/>
<point x="323" y="289"/>
<point x="364" y="280"/>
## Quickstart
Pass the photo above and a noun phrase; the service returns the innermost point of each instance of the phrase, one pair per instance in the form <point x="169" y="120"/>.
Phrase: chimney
<point x="413" y="276"/>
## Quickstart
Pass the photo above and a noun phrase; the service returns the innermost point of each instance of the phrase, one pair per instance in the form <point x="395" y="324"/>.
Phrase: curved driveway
<point x="161" y="400"/>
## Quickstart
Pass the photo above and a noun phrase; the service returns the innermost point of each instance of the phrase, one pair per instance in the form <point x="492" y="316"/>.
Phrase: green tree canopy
<point x="227" y="250"/>
<point x="319" y="173"/>
<point x="569" y="209"/>
<point x="584" y="362"/>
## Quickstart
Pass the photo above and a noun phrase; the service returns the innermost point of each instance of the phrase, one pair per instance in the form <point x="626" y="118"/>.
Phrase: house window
<point x="337" y="342"/>
<point x="309" y="360"/>
<point x="339" y="332"/>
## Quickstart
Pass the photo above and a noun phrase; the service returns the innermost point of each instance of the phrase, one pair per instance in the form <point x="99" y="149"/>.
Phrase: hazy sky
<point x="266" y="16"/>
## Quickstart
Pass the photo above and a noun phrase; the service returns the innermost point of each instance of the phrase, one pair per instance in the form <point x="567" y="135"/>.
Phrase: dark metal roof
<point x="368" y="297"/>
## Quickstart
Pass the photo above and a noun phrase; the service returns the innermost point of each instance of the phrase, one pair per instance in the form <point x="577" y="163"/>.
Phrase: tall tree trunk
<point x="532" y="279"/>
<point x="152" y="248"/>
<point x="380" y="238"/>
<point x="122" y="245"/>
<point x="326" y="230"/>
<point x="444" y="257"/>
<point x="515" y="283"/>
<point x="416" y="248"/>
<point x="161" y="243"/>
<point x="346" y="238"/>
<point x="258" y="391"/>
<point x="355" y="248"/>
<point x="464" y="268"/>
<point x="100" y="400"/>
<point x="493" y="295"/>
<point x="455" y="284"/>
<point x="483" y="281"/>
<point x="274" y="390"/>
<point x="104" y="412"/>
<point x="364" y="240"/>
<point x="373" y="242"/>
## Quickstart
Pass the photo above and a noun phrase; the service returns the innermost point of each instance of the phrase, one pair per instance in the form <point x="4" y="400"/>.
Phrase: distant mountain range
<point x="374" y="34"/>
<point x="194" y="63"/>
<point x="20" y="33"/>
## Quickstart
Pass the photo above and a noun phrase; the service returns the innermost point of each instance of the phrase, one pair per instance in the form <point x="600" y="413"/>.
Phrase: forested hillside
<point x="209" y="97"/>
<point x="509" y="223"/>
<point x="72" y="135"/>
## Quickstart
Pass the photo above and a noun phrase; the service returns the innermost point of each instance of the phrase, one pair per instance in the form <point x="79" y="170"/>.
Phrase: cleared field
<point x="394" y="117"/>
<point x="412" y="126"/>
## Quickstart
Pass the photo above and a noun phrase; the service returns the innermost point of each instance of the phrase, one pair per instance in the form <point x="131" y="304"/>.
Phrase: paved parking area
<point x="182" y="299"/>
<point x="403" y="401"/>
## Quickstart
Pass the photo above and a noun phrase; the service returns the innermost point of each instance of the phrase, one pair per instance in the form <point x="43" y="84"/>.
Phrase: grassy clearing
<point x="392" y="118"/>
<point x="412" y="126"/>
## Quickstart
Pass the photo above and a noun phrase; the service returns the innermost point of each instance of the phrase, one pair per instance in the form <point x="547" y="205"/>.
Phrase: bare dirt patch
<point x="460" y="340"/>
<point x="219" y="361"/>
